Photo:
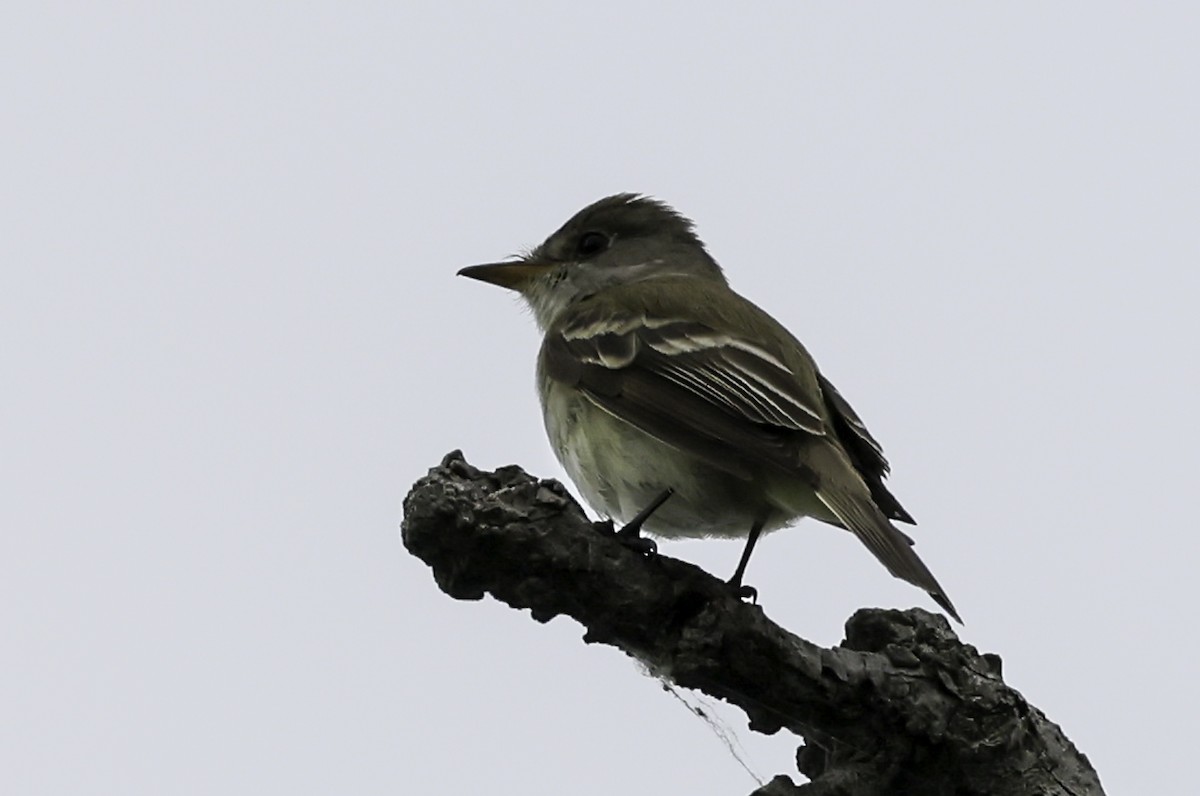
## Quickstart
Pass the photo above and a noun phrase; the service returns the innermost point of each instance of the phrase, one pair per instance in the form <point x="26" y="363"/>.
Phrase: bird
<point x="680" y="408"/>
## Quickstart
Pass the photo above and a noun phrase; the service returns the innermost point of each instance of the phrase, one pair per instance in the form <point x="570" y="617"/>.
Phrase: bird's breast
<point x="619" y="470"/>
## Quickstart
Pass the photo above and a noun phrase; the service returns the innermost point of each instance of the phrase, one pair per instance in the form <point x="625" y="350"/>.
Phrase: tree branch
<point x="902" y="706"/>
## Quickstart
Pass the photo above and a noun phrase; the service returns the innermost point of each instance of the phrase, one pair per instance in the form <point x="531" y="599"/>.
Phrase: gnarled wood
<point x="901" y="706"/>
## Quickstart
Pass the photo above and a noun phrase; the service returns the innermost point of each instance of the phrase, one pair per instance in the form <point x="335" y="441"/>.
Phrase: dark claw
<point x="630" y="534"/>
<point x="638" y="544"/>
<point x="628" y="537"/>
<point x="744" y="592"/>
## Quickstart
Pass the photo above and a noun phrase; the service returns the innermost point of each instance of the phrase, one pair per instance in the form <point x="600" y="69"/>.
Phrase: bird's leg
<point x="735" y="582"/>
<point x="630" y="533"/>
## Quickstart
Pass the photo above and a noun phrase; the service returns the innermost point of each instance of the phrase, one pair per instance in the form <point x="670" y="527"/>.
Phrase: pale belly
<point x="619" y="470"/>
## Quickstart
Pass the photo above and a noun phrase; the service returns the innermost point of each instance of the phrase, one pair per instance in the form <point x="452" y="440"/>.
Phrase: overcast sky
<point x="232" y="338"/>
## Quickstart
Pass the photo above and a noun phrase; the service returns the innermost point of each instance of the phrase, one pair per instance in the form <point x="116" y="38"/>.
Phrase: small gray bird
<point x="677" y="405"/>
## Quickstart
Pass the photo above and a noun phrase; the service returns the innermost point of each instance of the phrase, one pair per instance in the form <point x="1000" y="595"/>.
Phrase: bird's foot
<point x="742" y="591"/>
<point x="630" y="534"/>
<point x="636" y="542"/>
<point x="629" y="538"/>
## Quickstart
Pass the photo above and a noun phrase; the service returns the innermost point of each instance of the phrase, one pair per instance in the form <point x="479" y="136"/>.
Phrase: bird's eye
<point x="591" y="243"/>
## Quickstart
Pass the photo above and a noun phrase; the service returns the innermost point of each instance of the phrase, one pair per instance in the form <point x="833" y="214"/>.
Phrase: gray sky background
<point x="233" y="338"/>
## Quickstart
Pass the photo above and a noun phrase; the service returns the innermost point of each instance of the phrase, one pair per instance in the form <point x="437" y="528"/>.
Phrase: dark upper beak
<point x="512" y="275"/>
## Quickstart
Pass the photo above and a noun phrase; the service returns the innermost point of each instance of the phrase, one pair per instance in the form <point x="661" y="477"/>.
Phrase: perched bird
<point x="676" y="405"/>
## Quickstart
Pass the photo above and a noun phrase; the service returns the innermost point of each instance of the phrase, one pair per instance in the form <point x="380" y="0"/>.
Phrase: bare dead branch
<point x="901" y="706"/>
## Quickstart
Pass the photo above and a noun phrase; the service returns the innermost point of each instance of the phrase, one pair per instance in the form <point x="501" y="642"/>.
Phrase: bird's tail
<point x="851" y="503"/>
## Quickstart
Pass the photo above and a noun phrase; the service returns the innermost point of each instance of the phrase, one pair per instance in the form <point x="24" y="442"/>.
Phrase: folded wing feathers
<point x="694" y="380"/>
<point x="776" y="385"/>
<point x="733" y="373"/>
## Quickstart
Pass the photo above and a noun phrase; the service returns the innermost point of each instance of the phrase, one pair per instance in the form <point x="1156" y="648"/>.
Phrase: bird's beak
<point x="513" y="275"/>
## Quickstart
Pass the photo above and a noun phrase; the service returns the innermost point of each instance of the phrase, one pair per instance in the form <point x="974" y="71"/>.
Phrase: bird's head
<point x="618" y="240"/>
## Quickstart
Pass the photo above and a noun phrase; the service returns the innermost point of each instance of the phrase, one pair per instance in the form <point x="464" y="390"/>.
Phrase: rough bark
<point x="901" y="706"/>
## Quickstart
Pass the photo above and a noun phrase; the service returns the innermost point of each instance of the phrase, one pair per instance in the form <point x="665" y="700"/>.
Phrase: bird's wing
<point x="732" y="401"/>
<point x="865" y="453"/>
